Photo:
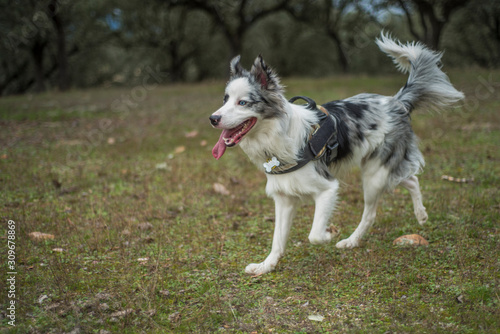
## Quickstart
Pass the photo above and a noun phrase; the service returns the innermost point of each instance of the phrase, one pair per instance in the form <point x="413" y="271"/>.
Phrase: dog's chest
<point x="305" y="182"/>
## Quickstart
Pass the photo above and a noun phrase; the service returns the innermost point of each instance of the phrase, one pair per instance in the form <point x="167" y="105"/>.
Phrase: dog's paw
<point x="320" y="239"/>
<point x="421" y="215"/>
<point x="348" y="243"/>
<point x="258" y="268"/>
<point x="325" y="237"/>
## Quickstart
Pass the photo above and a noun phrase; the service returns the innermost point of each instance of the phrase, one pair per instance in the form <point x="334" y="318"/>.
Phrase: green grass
<point x="89" y="168"/>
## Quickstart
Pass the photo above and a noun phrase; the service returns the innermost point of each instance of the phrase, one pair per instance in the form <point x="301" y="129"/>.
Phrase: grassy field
<point x="124" y="181"/>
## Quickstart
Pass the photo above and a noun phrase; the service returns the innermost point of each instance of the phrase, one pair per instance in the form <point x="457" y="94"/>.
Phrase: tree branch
<point x="411" y="25"/>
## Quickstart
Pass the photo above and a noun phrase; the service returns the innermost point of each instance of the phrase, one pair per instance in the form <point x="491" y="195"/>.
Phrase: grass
<point x="93" y="167"/>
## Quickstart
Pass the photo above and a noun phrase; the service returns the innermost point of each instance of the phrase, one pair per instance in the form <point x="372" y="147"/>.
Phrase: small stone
<point x="411" y="240"/>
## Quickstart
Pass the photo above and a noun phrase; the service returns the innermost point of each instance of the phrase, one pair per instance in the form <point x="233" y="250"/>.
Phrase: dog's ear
<point x="264" y="75"/>
<point x="235" y="67"/>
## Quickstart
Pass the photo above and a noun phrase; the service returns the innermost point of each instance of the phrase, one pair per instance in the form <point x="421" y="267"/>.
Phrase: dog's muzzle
<point x="215" y="119"/>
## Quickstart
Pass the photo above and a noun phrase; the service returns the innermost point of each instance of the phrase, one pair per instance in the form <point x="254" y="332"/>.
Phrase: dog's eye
<point x="242" y="103"/>
<point x="226" y="97"/>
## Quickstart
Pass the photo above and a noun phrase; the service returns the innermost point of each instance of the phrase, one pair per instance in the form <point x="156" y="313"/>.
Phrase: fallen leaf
<point x="150" y="312"/>
<point x="103" y="307"/>
<point x="111" y="140"/>
<point x="411" y="240"/>
<point x="220" y="189"/>
<point x="174" y="317"/>
<point x="103" y="296"/>
<point x="203" y="143"/>
<point x="161" y="166"/>
<point x="145" y="226"/>
<point x="103" y="331"/>
<point x="42" y="298"/>
<point x="121" y="313"/>
<point x="334" y="231"/>
<point x="179" y="149"/>
<point x="165" y="293"/>
<point x="37" y="236"/>
<point x="192" y="134"/>
<point x="316" y="317"/>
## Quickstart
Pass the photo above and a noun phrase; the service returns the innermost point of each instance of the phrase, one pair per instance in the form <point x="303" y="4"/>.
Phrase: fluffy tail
<point x="427" y="85"/>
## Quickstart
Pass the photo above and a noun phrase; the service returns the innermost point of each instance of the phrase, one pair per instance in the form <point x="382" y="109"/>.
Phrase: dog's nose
<point x="215" y="119"/>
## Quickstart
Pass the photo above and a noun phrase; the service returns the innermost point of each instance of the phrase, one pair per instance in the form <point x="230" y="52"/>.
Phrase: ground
<point x="146" y="242"/>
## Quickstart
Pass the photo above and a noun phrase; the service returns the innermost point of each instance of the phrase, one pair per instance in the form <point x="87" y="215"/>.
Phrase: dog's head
<point x="250" y="97"/>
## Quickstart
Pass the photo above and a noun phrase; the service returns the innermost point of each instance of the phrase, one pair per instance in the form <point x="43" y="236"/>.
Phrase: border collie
<point x="304" y="149"/>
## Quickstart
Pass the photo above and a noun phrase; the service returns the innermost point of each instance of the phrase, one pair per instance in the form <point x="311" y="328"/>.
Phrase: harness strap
<point x="323" y="139"/>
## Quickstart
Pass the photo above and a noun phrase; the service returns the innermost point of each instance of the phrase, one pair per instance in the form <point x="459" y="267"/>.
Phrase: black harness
<point x="322" y="141"/>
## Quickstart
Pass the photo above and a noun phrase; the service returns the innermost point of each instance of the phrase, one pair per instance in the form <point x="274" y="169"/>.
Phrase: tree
<point x="236" y="19"/>
<point x="171" y="34"/>
<point x="433" y="16"/>
<point x="333" y="18"/>
<point x="474" y="34"/>
<point x="54" y="11"/>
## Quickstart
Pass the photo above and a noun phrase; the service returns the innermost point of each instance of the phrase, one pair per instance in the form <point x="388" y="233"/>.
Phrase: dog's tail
<point x="427" y="85"/>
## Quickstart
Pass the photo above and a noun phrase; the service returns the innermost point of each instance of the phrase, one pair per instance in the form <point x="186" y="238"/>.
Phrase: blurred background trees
<point x="59" y="44"/>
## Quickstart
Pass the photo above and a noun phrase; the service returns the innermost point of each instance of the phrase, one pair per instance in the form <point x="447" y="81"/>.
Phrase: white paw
<point x="325" y="237"/>
<point x="421" y="215"/>
<point x="259" y="268"/>
<point x="348" y="243"/>
<point x="320" y="239"/>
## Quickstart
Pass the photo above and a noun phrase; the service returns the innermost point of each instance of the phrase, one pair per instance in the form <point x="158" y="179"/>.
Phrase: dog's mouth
<point x="231" y="137"/>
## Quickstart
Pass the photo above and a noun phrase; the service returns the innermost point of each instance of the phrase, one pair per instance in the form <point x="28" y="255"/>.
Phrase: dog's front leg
<point x="325" y="203"/>
<point x="285" y="210"/>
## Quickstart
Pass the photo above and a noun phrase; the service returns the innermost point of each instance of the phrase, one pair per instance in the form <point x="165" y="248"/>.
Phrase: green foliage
<point x="92" y="176"/>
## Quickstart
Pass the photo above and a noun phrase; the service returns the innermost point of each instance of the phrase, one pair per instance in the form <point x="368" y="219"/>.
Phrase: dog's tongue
<point x="220" y="147"/>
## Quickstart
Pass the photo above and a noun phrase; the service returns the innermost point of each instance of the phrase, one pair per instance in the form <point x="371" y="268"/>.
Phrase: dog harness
<point x="322" y="141"/>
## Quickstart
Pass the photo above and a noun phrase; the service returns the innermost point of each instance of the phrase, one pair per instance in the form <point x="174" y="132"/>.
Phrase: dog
<point x="304" y="149"/>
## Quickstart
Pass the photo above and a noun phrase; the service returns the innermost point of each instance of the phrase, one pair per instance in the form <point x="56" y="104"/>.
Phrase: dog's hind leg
<point x="412" y="185"/>
<point x="374" y="185"/>
<point x="325" y="203"/>
<point x="285" y="211"/>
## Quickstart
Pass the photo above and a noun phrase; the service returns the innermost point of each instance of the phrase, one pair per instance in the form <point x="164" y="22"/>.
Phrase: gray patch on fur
<point x="267" y="91"/>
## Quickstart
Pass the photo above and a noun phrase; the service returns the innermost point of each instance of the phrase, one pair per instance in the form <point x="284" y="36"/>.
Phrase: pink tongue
<point x="220" y="147"/>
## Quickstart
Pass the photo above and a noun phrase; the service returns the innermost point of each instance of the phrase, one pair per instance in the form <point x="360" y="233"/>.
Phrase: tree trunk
<point x="343" y="60"/>
<point x="37" y="54"/>
<point x="62" y="58"/>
